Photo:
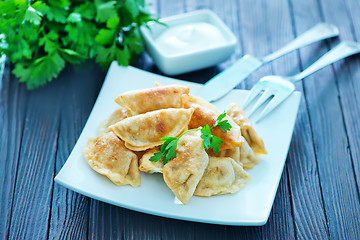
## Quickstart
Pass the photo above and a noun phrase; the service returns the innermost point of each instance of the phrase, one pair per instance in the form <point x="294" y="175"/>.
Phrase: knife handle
<point x="319" y="32"/>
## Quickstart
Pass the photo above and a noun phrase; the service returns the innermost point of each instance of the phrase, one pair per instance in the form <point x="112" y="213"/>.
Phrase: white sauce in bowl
<point x="187" y="38"/>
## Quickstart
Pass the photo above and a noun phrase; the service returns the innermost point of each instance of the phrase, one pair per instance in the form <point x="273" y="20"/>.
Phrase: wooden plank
<point x="111" y="222"/>
<point x="177" y="229"/>
<point x="205" y="231"/>
<point x="12" y="99"/>
<point x="349" y="87"/>
<point x="33" y="187"/>
<point x="337" y="180"/>
<point x="142" y="226"/>
<point x="169" y="8"/>
<point x="308" y="206"/>
<point x="105" y="221"/>
<point x="70" y="210"/>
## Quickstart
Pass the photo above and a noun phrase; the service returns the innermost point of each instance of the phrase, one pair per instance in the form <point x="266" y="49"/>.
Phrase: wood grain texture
<point x="309" y="215"/>
<point x="105" y="221"/>
<point x="337" y="180"/>
<point x="12" y="100"/>
<point x="349" y="88"/>
<point x="33" y="187"/>
<point x="142" y="226"/>
<point x="79" y="90"/>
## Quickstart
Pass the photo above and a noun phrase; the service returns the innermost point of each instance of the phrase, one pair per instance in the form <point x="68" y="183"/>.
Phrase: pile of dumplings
<point x="131" y="135"/>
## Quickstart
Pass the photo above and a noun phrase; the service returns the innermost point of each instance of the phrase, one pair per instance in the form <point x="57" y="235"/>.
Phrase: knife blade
<point x="225" y="81"/>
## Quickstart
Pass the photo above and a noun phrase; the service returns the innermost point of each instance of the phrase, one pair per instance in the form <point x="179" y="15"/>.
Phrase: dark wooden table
<point x="318" y="196"/>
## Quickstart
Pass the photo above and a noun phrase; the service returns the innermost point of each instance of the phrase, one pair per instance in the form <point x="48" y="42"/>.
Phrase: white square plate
<point x="250" y="206"/>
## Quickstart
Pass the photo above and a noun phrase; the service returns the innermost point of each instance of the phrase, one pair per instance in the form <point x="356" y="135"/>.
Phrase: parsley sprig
<point x="40" y="36"/>
<point x="168" y="148"/>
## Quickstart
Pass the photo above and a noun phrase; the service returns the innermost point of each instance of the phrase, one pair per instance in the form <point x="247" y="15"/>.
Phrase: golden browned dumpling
<point x="233" y="153"/>
<point x="183" y="173"/>
<point x="108" y="156"/>
<point x="146" y="100"/>
<point x="145" y="165"/>
<point x="142" y="132"/>
<point x="115" y="117"/>
<point x="222" y="175"/>
<point x="247" y="130"/>
<point x="203" y="115"/>
<point x="243" y="155"/>
<point x="247" y="156"/>
<point x="202" y="102"/>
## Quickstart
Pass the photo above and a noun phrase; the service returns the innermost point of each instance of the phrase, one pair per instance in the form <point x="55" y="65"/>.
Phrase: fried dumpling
<point x="142" y="132"/>
<point x="202" y="102"/>
<point x="233" y="153"/>
<point x="151" y="99"/>
<point x="247" y="156"/>
<point x="243" y="155"/>
<point x="108" y="156"/>
<point x="203" y="115"/>
<point x="222" y="175"/>
<point x="145" y="165"/>
<point x="247" y="130"/>
<point x="183" y="173"/>
<point x="115" y="117"/>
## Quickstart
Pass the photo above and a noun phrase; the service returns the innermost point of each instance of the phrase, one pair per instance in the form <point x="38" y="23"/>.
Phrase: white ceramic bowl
<point x="188" y="61"/>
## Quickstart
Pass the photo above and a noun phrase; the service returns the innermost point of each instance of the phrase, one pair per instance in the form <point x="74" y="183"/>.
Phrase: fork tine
<point x="273" y="104"/>
<point x="265" y="95"/>
<point x="256" y="90"/>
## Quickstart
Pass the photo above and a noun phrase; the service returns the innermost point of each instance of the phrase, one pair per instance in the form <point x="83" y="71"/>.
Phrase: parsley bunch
<point x="40" y="36"/>
<point x="168" y="148"/>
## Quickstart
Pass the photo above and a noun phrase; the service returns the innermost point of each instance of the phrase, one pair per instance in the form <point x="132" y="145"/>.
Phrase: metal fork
<point x="278" y="88"/>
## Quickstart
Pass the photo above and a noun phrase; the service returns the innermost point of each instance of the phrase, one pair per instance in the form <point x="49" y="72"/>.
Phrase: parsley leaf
<point x="224" y="125"/>
<point x="71" y="56"/>
<point x="49" y="41"/>
<point x="105" y="36"/>
<point x="220" y="117"/>
<point x="39" y="37"/>
<point x="132" y="8"/>
<point x="33" y="16"/>
<point x="168" y="148"/>
<point x="215" y="144"/>
<point x="74" y="17"/>
<point x="86" y="10"/>
<point x="50" y="65"/>
<point x="170" y="151"/>
<point x="157" y="156"/>
<point x="57" y="14"/>
<point x="105" y="10"/>
<point x="20" y="43"/>
<point x="206" y="135"/>
<point x="112" y="23"/>
<point x="36" y="73"/>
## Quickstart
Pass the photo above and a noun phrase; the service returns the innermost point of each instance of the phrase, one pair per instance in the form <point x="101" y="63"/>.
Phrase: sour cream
<point x="187" y="38"/>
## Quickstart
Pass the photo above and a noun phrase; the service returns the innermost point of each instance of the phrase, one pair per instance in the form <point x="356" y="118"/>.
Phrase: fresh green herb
<point x="168" y="148"/>
<point x="40" y="36"/>
<point x="211" y="141"/>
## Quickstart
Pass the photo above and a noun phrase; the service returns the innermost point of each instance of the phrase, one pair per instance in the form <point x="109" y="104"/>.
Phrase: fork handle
<point x="319" y="32"/>
<point x="342" y="50"/>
